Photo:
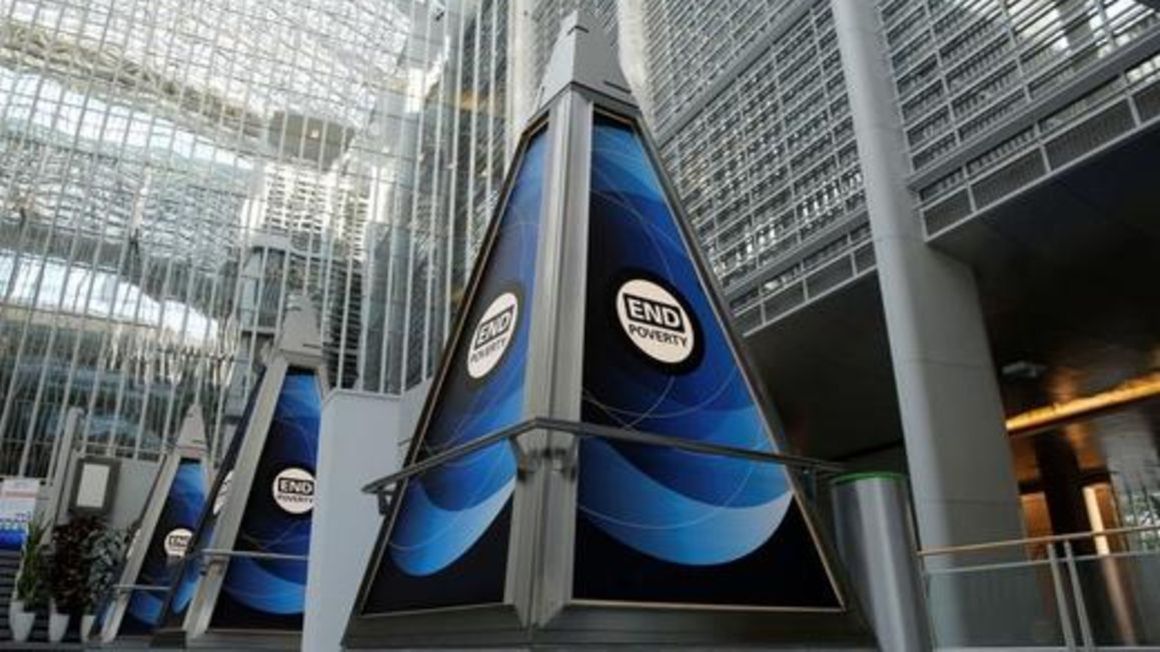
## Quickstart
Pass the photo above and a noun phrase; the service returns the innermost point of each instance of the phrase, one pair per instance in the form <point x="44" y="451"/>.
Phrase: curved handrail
<point x="384" y="484"/>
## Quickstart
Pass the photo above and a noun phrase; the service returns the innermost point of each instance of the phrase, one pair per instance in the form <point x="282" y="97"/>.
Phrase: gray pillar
<point x="1061" y="478"/>
<point x="875" y="539"/>
<point x="952" y="420"/>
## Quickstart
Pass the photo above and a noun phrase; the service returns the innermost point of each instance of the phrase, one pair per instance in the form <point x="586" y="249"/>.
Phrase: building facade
<point x="174" y="174"/>
<point x="171" y="181"/>
<point x="858" y="171"/>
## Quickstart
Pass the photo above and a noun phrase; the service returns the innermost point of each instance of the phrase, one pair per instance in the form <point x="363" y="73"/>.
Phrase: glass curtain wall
<point x="458" y="143"/>
<point x="174" y="172"/>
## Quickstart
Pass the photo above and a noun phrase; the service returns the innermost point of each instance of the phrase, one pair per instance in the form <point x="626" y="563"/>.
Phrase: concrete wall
<point x="133" y="485"/>
<point x="359" y="441"/>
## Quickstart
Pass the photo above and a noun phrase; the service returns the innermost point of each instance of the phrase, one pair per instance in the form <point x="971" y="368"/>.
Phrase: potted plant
<point x="106" y="548"/>
<point x="30" y="590"/>
<point x="68" y="576"/>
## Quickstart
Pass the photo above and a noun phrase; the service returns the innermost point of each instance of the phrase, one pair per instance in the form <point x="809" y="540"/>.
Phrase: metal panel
<point x="1009" y="178"/>
<point x="946" y="212"/>
<point x="1089" y="134"/>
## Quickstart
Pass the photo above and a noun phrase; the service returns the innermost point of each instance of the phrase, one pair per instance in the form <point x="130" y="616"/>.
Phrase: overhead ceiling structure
<point x="183" y="105"/>
<point x="1066" y="281"/>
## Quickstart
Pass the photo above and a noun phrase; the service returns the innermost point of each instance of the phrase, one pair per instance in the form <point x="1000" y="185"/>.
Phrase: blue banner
<point x="270" y="594"/>
<point x="447" y="542"/>
<point x="167" y="546"/>
<point x="657" y="524"/>
<point x="189" y="573"/>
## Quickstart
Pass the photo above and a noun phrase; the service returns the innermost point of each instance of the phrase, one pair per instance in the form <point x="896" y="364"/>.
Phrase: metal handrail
<point x="212" y="552"/>
<point x="1070" y="589"/>
<point x="128" y="588"/>
<point x="1030" y="541"/>
<point x="251" y="554"/>
<point x="384" y="484"/>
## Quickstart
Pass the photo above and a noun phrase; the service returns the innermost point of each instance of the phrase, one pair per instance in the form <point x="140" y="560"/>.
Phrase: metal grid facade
<point x="171" y="173"/>
<point x="691" y="44"/>
<point x="767" y="166"/>
<point x="992" y="94"/>
<point x="983" y="85"/>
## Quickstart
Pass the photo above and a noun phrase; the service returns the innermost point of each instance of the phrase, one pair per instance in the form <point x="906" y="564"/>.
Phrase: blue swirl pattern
<point x="683" y="508"/>
<point x="444" y="514"/>
<point x="186" y="578"/>
<point x="446" y="510"/>
<point x="183" y="504"/>
<point x="264" y="593"/>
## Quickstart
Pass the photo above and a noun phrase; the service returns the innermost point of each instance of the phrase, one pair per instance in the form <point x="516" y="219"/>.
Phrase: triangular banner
<point x="449" y="542"/>
<point x="185" y="580"/>
<point x="163" y="535"/>
<point x="593" y="464"/>
<point x="245" y="575"/>
<point x="659" y="524"/>
<point x="270" y="592"/>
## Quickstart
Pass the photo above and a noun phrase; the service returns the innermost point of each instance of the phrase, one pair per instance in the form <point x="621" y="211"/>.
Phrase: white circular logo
<point x="294" y="490"/>
<point x="492" y="335"/>
<point x="655" y="321"/>
<point x="177" y="542"/>
<point x="223" y="493"/>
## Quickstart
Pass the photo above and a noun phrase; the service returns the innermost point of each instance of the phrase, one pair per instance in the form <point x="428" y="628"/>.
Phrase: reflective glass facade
<point x="172" y="174"/>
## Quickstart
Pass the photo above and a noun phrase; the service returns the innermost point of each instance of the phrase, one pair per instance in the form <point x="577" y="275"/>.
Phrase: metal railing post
<point x="1060" y="598"/>
<point x="1085" y="628"/>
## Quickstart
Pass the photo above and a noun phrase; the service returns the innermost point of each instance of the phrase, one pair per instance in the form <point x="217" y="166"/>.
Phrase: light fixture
<point x="1059" y="414"/>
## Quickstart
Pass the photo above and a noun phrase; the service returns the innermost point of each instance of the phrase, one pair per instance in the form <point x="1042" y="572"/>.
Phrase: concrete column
<point x="952" y="420"/>
<point x="358" y="441"/>
<point x="1062" y="482"/>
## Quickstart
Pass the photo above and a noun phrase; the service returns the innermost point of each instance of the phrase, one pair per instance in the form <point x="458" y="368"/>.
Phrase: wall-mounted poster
<point x="17" y="505"/>
<point x="654" y="524"/>
<point x="446" y="541"/>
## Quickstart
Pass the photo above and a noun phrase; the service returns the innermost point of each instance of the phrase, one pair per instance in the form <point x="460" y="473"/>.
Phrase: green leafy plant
<point x="68" y="579"/>
<point x="31" y="585"/>
<point x="106" y="550"/>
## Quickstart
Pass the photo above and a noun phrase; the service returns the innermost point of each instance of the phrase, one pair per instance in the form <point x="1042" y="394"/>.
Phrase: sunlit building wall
<point x="172" y="175"/>
<point x="451" y="138"/>
<point x="749" y="108"/>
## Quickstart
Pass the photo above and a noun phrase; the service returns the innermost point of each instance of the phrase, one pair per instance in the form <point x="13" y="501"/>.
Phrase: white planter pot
<point x="87" y="621"/>
<point x="57" y="625"/>
<point x="20" y="621"/>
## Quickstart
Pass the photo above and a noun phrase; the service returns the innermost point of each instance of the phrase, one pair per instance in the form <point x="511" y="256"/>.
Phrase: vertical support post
<point x="876" y="541"/>
<point x="1085" y="626"/>
<point x="1060" y="598"/>
<point x="62" y="454"/>
<point x="948" y="396"/>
